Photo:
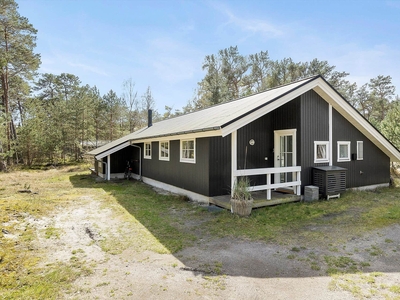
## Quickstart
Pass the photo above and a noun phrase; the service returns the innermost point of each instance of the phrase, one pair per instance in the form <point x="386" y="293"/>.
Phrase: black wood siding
<point x="314" y="126"/>
<point x="220" y="165"/>
<point x="188" y="176"/>
<point x="375" y="166"/>
<point x="119" y="159"/>
<point x="262" y="132"/>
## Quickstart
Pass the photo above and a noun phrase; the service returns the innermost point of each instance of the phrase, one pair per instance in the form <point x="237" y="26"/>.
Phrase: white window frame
<point x="166" y="158"/>
<point x="321" y="160"/>
<point x="145" y="155"/>
<point x="184" y="159"/>
<point x="360" y="150"/>
<point x="342" y="159"/>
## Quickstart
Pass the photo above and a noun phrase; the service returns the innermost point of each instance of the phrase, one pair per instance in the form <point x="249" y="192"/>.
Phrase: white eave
<point x="112" y="150"/>
<point x="321" y="87"/>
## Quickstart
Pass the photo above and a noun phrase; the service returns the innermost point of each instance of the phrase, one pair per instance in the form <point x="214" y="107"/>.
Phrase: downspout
<point x="140" y="161"/>
<point x="109" y="167"/>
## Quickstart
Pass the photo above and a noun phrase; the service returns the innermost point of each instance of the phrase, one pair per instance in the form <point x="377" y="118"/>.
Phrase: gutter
<point x="178" y="133"/>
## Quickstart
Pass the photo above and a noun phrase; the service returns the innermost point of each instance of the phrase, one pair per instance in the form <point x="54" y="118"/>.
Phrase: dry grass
<point x="20" y="276"/>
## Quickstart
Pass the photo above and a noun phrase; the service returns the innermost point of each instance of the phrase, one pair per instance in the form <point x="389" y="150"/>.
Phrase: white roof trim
<point x="112" y="150"/>
<point x="320" y="86"/>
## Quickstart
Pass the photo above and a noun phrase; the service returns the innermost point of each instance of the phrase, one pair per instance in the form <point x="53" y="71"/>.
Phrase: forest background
<point x="49" y="118"/>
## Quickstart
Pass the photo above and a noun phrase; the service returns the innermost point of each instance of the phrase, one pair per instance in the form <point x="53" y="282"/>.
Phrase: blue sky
<point x="162" y="44"/>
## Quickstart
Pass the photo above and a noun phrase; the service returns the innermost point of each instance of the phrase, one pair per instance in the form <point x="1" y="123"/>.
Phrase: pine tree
<point x="17" y="41"/>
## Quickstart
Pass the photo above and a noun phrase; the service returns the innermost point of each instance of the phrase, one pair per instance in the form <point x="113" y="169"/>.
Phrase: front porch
<point x="260" y="199"/>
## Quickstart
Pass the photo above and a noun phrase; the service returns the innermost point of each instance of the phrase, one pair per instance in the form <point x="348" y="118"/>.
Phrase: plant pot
<point x="241" y="207"/>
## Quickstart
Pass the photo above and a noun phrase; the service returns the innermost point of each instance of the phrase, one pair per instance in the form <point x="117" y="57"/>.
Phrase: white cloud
<point x="88" y="68"/>
<point x="254" y="26"/>
<point x="248" y="25"/>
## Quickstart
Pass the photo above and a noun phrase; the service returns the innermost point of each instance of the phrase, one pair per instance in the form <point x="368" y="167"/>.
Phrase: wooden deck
<point x="260" y="199"/>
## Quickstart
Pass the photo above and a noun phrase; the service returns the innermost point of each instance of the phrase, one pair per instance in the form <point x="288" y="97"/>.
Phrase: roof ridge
<point x="240" y="98"/>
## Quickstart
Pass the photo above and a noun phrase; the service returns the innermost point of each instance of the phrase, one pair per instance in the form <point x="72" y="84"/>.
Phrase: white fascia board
<point x="267" y="108"/>
<point x="351" y="115"/>
<point x="194" y="135"/>
<point x="112" y="150"/>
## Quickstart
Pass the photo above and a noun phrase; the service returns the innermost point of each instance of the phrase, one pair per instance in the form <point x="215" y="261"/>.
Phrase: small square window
<point x="321" y="152"/>
<point x="147" y="150"/>
<point x="164" y="150"/>
<point x="360" y="150"/>
<point x="343" y="151"/>
<point x="188" y="151"/>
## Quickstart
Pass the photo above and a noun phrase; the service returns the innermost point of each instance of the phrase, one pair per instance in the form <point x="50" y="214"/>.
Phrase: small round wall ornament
<point x="252" y="142"/>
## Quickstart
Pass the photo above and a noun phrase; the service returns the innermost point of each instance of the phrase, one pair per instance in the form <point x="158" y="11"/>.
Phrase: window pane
<point x="289" y="159"/>
<point x="187" y="149"/>
<point x="289" y="143"/>
<point x="147" y="150"/>
<point x="191" y="145"/>
<point x="321" y="152"/>
<point x="360" y="150"/>
<point x="343" y="151"/>
<point x="164" y="149"/>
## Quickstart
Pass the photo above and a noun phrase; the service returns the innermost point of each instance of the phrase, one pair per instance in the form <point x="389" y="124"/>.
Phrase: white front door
<point x="284" y="153"/>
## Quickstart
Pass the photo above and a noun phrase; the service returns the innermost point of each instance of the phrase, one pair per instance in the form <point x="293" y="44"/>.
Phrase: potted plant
<point x="241" y="200"/>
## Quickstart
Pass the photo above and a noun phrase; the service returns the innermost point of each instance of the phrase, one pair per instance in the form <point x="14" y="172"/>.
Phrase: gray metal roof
<point x="223" y="119"/>
<point x="209" y="119"/>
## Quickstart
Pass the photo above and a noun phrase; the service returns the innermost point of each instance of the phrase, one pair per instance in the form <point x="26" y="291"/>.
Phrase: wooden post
<point x="108" y="167"/>
<point x="233" y="159"/>
<point x="268" y="189"/>
<point x="298" y="178"/>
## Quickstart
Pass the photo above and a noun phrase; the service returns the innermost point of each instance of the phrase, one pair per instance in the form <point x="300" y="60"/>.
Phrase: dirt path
<point x="213" y="268"/>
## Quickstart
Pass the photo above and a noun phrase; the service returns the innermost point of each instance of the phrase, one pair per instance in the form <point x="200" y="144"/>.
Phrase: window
<point x="147" y="150"/>
<point x="164" y="150"/>
<point x="321" y="152"/>
<point x="360" y="150"/>
<point x="188" y="151"/>
<point x="343" y="151"/>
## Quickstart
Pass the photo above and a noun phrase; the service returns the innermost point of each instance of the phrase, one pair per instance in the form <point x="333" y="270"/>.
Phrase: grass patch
<point x="374" y="251"/>
<point x="52" y="232"/>
<point x="365" y="286"/>
<point x="340" y="264"/>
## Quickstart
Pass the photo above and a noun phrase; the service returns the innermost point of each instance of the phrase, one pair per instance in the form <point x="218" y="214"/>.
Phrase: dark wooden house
<point x="275" y="137"/>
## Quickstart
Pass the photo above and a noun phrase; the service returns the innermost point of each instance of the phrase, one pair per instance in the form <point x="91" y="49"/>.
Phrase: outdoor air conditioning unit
<point x="330" y="180"/>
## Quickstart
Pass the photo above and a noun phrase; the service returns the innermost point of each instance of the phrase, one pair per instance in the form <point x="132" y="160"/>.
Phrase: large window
<point x="360" y="150"/>
<point x="188" y="151"/>
<point x="147" y="150"/>
<point x="164" y="150"/>
<point x="343" y="151"/>
<point x="321" y="152"/>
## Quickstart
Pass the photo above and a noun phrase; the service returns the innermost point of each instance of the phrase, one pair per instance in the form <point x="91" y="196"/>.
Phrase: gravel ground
<point x="215" y="268"/>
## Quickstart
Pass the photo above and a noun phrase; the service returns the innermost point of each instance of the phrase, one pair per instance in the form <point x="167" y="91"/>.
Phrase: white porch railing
<point x="296" y="183"/>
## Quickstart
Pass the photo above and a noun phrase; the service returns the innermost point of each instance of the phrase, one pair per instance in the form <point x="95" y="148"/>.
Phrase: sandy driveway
<point x="214" y="268"/>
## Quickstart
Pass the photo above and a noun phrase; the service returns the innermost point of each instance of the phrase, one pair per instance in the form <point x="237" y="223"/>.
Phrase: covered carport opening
<point x="113" y="162"/>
